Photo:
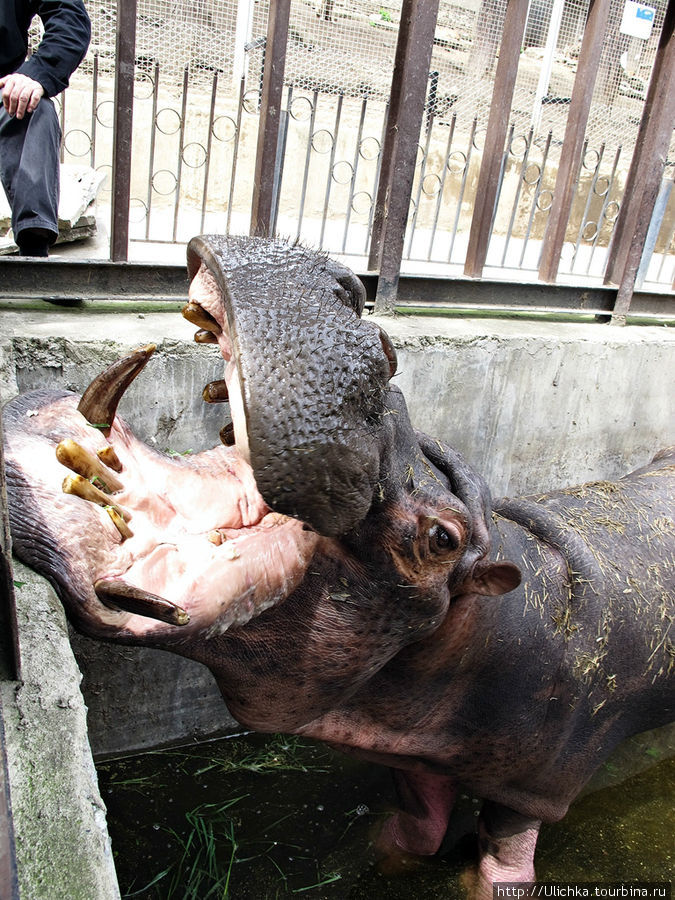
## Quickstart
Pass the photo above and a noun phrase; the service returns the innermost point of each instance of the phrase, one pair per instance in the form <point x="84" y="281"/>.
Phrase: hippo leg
<point x="506" y="841"/>
<point x="418" y="828"/>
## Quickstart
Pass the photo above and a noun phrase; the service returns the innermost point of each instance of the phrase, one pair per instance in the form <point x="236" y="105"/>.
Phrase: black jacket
<point x="63" y="45"/>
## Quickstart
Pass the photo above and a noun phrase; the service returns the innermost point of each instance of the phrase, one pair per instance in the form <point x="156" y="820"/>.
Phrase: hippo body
<point x="345" y="577"/>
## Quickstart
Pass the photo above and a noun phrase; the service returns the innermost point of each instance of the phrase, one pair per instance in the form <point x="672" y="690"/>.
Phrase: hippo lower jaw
<point x="148" y="542"/>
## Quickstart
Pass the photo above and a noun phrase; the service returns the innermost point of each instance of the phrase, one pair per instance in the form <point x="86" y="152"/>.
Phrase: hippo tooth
<point x="77" y="459"/>
<point x="205" y="337"/>
<point x="196" y="314"/>
<point x="80" y="487"/>
<point x="227" y="434"/>
<point x="389" y="351"/>
<point x="120" y="595"/>
<point x="119" y="522"/>
<point x="216" y="392"/>
<point x="100" y="400"/>
<point x="108" y="456"/>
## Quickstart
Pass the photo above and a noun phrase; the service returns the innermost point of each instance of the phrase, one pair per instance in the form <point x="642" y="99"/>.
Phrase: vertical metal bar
<point x="500" y="181"/>
<point x="209" y="141"/>
<point x="646" y="171"/>
<point x="603" y="211"/>
<point x="498" y="120"/>
<point x="63" y="126"/>
<point x="284" y="116"/>
<point x="235" y="154"/>
<point x="667" y="244"/>
<point x="270" y="117"/>
<point x="653" y="232"/>
<point x="122" y="133"/>
<point x="535" y="199"/>
<point x="420" y="183"/>
<point x="305" y="176"/>
<point x="570" y="157"/>
<point x="465" y="174"/>
<point x="406" y="112"/>
<point x="181" y="144"/>
<point x="589" y="198"/>
<point x="439" y="201"/>
<point x="94" y="104"/>
<point x="355" y="167"/>
<point x="151" y="154"/>
<point x="376" y="180"/>
<point x="516" y="199"/>
<point x="331" y="163"/>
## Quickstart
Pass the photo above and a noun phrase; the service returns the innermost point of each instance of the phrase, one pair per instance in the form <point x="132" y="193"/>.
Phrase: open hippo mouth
<point x="212" y="540"/>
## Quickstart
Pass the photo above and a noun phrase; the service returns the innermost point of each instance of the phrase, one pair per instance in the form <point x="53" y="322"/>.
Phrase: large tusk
<point x="196" y="314"/>
<point x="119" y="523"/>
<point x="80" y="487"/>
<point x="120" y="595"/>
<point x="99" y="402"/>
<point x="216" y="392"/>
<point x="74" y="457"/>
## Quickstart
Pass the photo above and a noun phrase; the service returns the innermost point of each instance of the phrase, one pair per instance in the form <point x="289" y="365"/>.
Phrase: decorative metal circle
<point x="362" y="203"/>
<point x="300" y="108"/>
<point x="224" y="129"/>
<point x="322" y="141"/>
<point x="456" y="162"/>
<point x="105" y="113"/>
<point x="369" y="148"/>
<point x="163" y="182"/>
<point x="107" y="184"/>
<point x="77" y="142"/>
<point x="589" y="231"/>
<point x="545" y="201"/>
<point x="567" y="251"/>
<point x="251" y="101"/>
<point x="137" y="210"/>
<point x="612" y="211"/>
<point x="431" y="185"/>
<point x="532" y="174"/>
<point x="591" y="159"/>
<point x="342" y="172"/>
<point x="479" y="138"/>
<point x="518" y="146"/>
<point x="605" y="182"/>
<point x="144" y="85"/>
<point x="194" y="155"/>
<point x="165" y="119"/>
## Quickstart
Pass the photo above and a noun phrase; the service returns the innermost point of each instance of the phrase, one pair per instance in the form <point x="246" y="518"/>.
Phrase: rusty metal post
<point x="404" y="121"/>
<point x="646" y="172"/>
<point x="573" y="142"/>
<point x="125" y="56"/>
<point x="498" y="121"/>
<point x="263" y="203"/>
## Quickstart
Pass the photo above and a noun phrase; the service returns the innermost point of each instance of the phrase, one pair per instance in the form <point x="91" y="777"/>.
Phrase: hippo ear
<point x="490" y="579"/>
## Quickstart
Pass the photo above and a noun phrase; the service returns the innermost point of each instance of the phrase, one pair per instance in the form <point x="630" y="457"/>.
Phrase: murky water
<point x="259" y="817"/>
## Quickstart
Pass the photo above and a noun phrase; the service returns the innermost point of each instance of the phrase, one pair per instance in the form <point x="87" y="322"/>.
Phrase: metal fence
<point x="197" y="96"/>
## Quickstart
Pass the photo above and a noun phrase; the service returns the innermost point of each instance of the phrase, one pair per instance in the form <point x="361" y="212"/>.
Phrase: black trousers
<point x="29" y="167"/>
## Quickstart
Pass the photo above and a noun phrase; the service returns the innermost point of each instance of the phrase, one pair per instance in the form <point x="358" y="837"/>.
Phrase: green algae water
<point x="261" y="817"/>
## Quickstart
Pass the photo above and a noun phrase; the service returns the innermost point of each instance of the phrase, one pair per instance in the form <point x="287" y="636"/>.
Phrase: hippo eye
<point x="441" y="540"/>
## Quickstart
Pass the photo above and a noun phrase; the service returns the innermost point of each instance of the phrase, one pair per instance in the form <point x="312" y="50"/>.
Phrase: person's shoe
<point x="34" y="241"/>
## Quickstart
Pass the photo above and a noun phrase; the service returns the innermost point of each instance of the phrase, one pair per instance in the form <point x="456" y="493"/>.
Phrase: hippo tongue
<point x="312" y="375"/>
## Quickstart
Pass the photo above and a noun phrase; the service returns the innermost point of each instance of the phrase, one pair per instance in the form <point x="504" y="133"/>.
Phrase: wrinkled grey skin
<point x="398" y="628"/>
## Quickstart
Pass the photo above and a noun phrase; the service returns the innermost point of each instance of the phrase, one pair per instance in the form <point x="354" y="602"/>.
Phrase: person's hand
<point x="20" y="94"/>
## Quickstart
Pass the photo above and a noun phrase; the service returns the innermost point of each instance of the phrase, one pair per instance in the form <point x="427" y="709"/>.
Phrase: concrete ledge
<point x="62" y="844"/>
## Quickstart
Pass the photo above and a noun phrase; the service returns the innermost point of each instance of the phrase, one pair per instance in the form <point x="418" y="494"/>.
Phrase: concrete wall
<point x="532" y="405"/>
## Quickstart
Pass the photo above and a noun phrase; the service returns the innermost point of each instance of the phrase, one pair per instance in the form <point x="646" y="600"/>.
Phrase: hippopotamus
<point x="348" y="578"/>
